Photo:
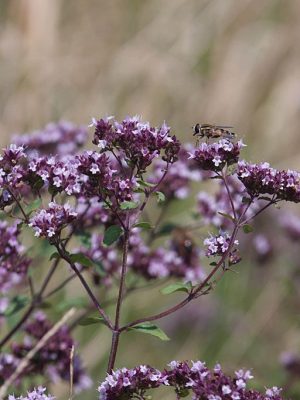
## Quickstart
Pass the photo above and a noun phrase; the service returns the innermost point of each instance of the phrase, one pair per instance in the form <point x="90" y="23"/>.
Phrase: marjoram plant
<point x="91" y="207"/>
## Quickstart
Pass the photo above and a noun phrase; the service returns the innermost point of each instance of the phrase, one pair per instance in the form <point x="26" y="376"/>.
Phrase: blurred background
<point x="226" y="62"/>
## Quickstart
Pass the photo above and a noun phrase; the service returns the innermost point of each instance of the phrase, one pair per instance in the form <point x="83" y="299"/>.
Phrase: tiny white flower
<point x="143" y="369"/>
<point x="173" y="364"/>
<point x="57" y="182"/>
<point x="217" y="161"/>
<point x="94" y="169"/>
<point x="50" y="232"/>
<point x="226" y="389"/>
<point x="126" y="382"/>
<point x="38" y="232"/>
<point x="102" y="144"/>
<point x="240" y="383"/>
<point x="198" y="366"/>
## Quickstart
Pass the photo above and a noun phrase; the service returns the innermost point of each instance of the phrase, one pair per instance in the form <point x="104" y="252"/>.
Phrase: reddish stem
<point x="190" y="297"/>
<point x="65" y="256"/>
<point x="117" y="331"/>
<point x="195" y="293"/>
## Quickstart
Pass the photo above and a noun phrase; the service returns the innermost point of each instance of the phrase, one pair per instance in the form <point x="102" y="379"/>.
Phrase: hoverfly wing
<point x="226" y="131"/>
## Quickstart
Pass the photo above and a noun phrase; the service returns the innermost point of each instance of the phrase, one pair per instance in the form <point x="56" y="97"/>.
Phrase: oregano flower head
<point x="214" y="156"/>
<point x="60" y="138"/>
<point x="49" y="222"/>
<point x="261" y="179"/>
<point x="52" y="361"/>
<point x="138" y="142"/>
<point x="35" y="394"/>
<point x="13" y="261"/>
<point x="197" y="379"/>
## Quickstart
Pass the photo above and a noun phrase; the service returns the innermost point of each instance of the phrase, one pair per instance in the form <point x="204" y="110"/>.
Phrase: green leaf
<point x="143" y="225"/>
<point x="54" y="256"/>
<point x="160" y="197"/>
<point x="33" y="206"/>
<point x="248" y="228"/>
<point x="213" y="263"/>
<point x="112" y="234"/>
<point x="92" y="321"/>
<point x="151" y="329"/>
<point x="78" y="302"/>
<point x="228" y="216"/>
<point x="177" y="287"/>
<point x="16" y="304"/>
<point x="82" y="259"/>
<point x="129" y="205"/>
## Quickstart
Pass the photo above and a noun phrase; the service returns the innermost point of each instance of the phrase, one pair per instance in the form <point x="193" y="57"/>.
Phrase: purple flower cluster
<point x="218" y="245"/>
<point x="177" y="182"/>
<point x="97" y="172"/>
<point x="105" y="258"/>
<point x="130" y="148"/>
<point x="125" y="383"/>
<point x="138" y="142"/>
<point x="90" y="174"/>
<point x="12" y="163"/>
<point x="56" y="174"/>
<point x="11" y="156"/>
<point x="209" y="206"/>
<point x="49" y="222"/>
<point x="202" y="382"/>
<point x="261" y="179"/>
<point x="161" y="262"/>
<point x="214" y="156"/>
<point x="59" y="138"/>
<point x="52" y="361"/>
<point x="35" y="394"/>
<point x="13" y="263"/>
<point x="164" y="262"/>
<point x="92" y="212"/>
<point x="8" y="365"/>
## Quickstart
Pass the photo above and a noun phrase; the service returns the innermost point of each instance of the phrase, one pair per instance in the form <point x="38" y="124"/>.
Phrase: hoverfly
<point x="213" y="131"/>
